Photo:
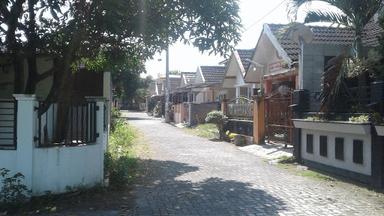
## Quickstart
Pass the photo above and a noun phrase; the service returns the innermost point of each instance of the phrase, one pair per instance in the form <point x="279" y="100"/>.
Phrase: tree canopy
<point x="112" y="34"/>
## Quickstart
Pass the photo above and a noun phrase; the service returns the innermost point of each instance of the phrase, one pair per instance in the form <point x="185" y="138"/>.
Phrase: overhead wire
<point x="264" y="16"/>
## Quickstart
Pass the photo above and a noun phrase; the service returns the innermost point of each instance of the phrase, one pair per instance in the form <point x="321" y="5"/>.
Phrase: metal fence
<point x="8" y="120"/>
<point x="79" y="126"/>
<point x="240" y="108"/>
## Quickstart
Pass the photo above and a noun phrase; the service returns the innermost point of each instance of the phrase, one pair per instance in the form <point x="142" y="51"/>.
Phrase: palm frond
<point x="333" y="83"/>
<point x="326" y="16"/>
<point x="293" y="7"/>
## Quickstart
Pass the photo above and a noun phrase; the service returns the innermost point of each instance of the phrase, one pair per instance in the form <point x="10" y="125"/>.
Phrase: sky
<point x="253" y="13"/>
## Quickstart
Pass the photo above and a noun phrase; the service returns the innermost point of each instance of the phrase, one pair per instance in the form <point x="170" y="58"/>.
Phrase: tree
<point x="115" y="35"/>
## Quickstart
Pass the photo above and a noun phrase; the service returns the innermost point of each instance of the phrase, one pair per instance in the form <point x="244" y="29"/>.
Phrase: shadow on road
<point x="163" y="191"/>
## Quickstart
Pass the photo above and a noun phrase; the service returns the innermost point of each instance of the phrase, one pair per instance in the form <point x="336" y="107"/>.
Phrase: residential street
<point x="188" y="175"/>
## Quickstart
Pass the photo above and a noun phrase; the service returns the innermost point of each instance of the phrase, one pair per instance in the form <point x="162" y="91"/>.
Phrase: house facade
<point x="289" y="63"/>
<point x="234" y="84"/>
<point x="208" y="84"/>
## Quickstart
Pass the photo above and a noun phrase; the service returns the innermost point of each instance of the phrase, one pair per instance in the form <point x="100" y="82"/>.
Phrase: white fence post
<point x="26" y="128"/>
<point x="101" y="130"/>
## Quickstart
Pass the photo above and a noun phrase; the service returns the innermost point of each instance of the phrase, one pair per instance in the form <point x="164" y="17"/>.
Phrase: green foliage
<point x="377" y="118"/>
<point x="13" y="192"/>
<point x="287" y="159"/>
<point x="215" y="117"/>
<point x="208" y="131"/>
<point x="313" y="118"/>
<point x="376" y="56"/>
<point x="219" y="119"/>
<point x="115" y="35"/>
<point x="115" y="118"/>
<point x="120" y="160"/>
<point x="360" y="119"/>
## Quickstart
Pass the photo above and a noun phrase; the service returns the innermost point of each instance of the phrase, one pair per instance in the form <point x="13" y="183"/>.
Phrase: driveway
<point x="188" y="175"/>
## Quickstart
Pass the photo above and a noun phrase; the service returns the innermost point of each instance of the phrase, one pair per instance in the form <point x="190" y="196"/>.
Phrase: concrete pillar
<point x="237" y="92"/>
<point x="26" y="131"/>
<point x="377" y="161"/>
<point x="300" y="104"/>
<point x="102" y="139"/>
<point x="258" y="120"/>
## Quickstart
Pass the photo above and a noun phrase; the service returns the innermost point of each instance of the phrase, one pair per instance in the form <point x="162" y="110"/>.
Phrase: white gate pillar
<point x="26" y="131"/>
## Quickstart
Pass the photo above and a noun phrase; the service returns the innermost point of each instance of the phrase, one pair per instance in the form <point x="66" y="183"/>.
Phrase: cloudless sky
<point x="253" y="13"/>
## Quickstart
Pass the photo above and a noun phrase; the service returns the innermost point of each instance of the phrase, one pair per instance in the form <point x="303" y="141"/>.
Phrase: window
<point x="324" y="146"/>
<point x="358" y="151"/>
<point x="339" y="148"/>
<point x="309" y="147"/>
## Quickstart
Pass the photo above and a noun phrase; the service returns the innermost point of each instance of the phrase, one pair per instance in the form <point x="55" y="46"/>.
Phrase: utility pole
<point x="167" y="85"/>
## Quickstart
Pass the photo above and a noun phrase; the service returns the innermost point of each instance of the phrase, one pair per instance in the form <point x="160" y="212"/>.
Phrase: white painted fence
<point x="53" y="169"/>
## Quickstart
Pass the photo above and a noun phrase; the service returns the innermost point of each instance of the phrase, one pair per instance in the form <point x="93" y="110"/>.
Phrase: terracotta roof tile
<point x="244" y="55"/>
<point x="189" y="77"/>
<point x="325" y="35"/>
<point x="213" y="74"/>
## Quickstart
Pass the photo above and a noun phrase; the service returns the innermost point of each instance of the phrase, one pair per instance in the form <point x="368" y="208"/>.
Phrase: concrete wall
<point x="207" y="95"/>
<point x="61" y="168"/>
<point x="198" y="112"/>
<point x="330" y="160"/>
<point x="313" y="63"/>
<point x="181" y="113"/>
<point x="53" y="169"/>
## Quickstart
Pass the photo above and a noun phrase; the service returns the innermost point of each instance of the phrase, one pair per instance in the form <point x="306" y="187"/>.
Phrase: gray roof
<point x="213" y="74"/>
<point x="325" y="35"/>
<point x="174" y="83"/>
<point x="189" y="77"/>
<point x="244" y="55"/>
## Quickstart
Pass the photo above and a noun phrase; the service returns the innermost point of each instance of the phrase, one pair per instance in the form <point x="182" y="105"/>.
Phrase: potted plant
<point x="359" y="124"/>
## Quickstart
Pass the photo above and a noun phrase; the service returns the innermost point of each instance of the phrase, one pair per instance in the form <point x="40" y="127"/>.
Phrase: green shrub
<point x="119" y="159"/>
<point x="359" y="119"/>
<point x="219" y="119"/>
<point x="13" y="192"/>
<point x="115" y="117"/>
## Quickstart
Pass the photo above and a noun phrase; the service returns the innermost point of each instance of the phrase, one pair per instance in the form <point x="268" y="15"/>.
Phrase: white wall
<point x="58" y="168"/>
<point x="348" y="163"/>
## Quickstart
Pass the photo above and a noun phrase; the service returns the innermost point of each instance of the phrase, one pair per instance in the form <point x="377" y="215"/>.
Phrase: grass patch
<point x="122" y="156"/>
<point x="208" y="131"/>
<point x="289" y="163"/>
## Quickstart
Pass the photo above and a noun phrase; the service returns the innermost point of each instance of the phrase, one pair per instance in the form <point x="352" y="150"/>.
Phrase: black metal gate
<point x="279" y="124"/>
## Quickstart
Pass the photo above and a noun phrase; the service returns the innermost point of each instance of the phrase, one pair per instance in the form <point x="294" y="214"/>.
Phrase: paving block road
<point x="189" y="175"/>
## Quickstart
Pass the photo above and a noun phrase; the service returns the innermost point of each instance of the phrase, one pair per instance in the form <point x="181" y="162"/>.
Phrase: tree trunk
<point x="17" y="58"/>
<point x="64" y="83"/>
<point x="32" y="58"/>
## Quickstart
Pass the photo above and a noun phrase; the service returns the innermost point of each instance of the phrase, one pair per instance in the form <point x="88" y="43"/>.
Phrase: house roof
<point x="245" y="54"/>
<point x="213" y="74"/>
<point x="189" y="77"/>
<point x="174" y="83"/>
<point x="324" y="35"/>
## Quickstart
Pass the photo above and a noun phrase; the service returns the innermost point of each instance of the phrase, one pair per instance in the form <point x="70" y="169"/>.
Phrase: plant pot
<point x="239" y="140"/>
<point x="334" y="126"/>
<point x="379" y="130"/>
